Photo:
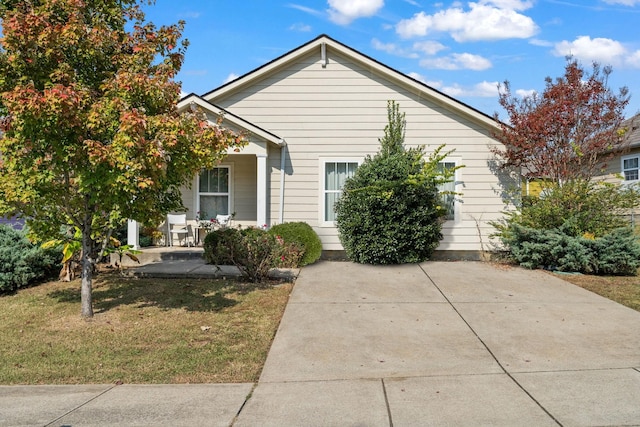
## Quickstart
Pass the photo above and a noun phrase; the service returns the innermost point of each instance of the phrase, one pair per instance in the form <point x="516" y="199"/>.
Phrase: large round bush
<point x="390" y="212"/>
<point x="304" y="236"/>
<point x="22" y="262"/>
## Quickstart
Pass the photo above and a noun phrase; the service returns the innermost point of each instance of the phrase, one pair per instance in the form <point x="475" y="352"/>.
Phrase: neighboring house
<point x="312" y="116"/>
<point x="628" y="164"/>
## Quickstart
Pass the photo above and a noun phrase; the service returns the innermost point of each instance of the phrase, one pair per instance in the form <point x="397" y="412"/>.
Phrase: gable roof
<point x="193" y="100"/>
<point x="324" y="42"/>
<point x="632" y="126"/>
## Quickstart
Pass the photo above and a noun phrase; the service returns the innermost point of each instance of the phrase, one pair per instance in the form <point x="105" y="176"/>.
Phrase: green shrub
<point x="21" y="262"/>
<point x="287" y="255"/>
<point x="302" y="235"/>
<point x="616" y="253"/>
<point x="578" y="206"/>
<point x="550" y="249"/>
<point x="252" y="250"/>
<point x="256" y="255"/>
<point x="220" y="246"/>
<point x="390" y="211"/>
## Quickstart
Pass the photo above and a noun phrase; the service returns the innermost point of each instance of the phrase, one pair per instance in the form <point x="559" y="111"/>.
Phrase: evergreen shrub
<point x="21" y="262"/>
<point x="302" y="235"/>
<point x="616" y="253"/>
<point x="220" y="246"/>
<point x="252" y="250"/>
<point x="390" y="211"/>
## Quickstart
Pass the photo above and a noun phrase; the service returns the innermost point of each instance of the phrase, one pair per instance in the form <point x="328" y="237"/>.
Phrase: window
<point x="334" y="175"/>
<point x="214" y="192"/>
<point x="630" y="168"/>
<point x="449" y="200"/>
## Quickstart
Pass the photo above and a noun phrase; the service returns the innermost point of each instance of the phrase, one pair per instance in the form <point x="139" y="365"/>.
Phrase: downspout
<point x="283" y="162"/>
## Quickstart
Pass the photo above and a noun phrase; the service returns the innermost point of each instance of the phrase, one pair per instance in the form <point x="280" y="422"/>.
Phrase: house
<point x="312" y="116"/>
<point x="628" y="164"/>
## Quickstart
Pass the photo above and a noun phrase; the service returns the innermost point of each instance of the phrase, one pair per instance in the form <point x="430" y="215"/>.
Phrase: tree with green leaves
<point x="91" y="134"/>
<point x="391" y="211"/>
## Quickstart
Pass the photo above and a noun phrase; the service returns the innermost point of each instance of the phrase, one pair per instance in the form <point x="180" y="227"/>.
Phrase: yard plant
<point x="252" y="250"/>
<point x="23" y="263"/>
<point x="564" y="138"/>
<point x="391" y="211"/>
<point x="303" y="236"/>
<point x="90" y="130"/>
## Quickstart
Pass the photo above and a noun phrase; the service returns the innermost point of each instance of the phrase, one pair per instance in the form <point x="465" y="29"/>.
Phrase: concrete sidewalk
<point x="440" y="343"/>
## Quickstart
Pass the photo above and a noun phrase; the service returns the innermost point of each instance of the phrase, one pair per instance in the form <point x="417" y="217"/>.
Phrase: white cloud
<point x="230" y="77"/>
<point x="526" y="93"/>
<point x="457" y="61"/>
<point x="300" y="27"/>
<point x="190" y="15"/>
<point x="429" y="47"/>
<point x="305" y="9"/>
<point x="483" y="89"/>
<point x="633" y="60"/>
<point x="343" y="12"/>
<point x="392" y="49"/>
<point x="422" y="79"/>
<point x="485" y="20"/>
<point x="623" y="2"/>
<point x="509" y="4"/>
<point x="539" y="42"/>
<point x="602" y="50"/>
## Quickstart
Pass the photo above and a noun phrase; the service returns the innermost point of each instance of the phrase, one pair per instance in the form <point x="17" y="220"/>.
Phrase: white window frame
<point x="322" y="181"/>
<point x="196" y="184"/>
<point x="458" y="186"/>
<point x="622" y="169"/>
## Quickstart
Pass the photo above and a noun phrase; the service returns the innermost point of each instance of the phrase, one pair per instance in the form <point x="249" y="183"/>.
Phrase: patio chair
<point x="223" y="220"/>
<point x="177" y="224"/>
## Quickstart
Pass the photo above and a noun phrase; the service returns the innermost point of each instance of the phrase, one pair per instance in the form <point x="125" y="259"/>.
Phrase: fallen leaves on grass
<point x="144" y="331"/>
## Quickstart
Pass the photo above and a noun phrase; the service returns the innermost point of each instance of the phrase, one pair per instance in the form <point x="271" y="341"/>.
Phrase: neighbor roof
<point x="632" y="126"/>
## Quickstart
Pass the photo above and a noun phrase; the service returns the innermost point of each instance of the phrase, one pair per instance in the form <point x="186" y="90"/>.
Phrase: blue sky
<point x="461" y="48"/>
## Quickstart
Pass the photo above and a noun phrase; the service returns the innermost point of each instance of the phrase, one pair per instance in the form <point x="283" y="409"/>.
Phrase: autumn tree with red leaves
<point x="569" y="131"/>
<point x="91" y="134"/>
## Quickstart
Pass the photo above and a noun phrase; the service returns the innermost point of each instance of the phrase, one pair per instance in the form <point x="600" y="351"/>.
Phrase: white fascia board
<point x="237" y="121"/>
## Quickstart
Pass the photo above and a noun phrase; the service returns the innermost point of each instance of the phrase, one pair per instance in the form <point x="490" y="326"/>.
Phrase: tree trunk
<point x="87" y="273"/>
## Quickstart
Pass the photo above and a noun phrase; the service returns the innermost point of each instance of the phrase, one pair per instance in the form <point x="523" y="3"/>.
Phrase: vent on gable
<point x="323" y="55"/>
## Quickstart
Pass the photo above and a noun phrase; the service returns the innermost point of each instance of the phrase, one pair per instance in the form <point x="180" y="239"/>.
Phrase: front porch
<point x="179" y="262"/>
<point x="159" y="254"/>
<point x="239" y="185"/>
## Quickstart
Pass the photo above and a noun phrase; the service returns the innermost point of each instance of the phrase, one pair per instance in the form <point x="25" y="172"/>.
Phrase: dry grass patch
<point x="144" y="331"/>
<point x="622" y="289"/>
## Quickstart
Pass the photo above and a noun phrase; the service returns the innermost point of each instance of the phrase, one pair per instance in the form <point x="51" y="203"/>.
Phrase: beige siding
<point x="341" y="111"/>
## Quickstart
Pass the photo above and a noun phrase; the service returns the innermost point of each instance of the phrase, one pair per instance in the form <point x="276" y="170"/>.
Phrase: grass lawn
<point x="143" y="331"/>
<point x="622" y="289"/>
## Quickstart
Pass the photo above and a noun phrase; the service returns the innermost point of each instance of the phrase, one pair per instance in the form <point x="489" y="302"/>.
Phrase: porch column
<point x="261" y="215"/>
<point x="133" y="238"/>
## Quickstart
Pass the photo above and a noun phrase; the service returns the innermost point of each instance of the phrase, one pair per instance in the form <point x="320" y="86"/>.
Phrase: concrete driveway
<point x="447" y="343"/>
<point x="441" y="343"/>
